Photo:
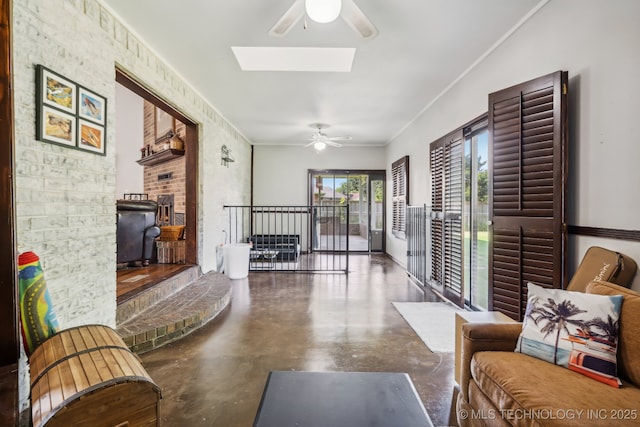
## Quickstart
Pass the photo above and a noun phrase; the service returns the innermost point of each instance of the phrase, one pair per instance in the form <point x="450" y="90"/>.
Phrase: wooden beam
<point x="608" y="233"/>
<point x="9" y="346"/>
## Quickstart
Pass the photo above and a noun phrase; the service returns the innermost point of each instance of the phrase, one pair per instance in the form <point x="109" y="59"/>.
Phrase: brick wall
<point x="176" y="185"/>
<point x="65" y="198"/>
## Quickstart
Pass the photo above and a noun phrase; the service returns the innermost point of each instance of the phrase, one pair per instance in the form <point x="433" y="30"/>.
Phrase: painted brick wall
<point x="65" y="198"/>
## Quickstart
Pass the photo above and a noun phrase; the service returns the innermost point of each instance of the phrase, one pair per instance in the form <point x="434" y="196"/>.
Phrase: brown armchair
<point x="499" y="387"/>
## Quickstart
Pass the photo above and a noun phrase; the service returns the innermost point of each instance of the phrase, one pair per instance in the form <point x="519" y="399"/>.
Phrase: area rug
<point x="434" y="322"/>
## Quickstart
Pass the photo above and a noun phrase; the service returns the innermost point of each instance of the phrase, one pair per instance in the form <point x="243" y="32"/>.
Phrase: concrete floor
<point x="305" y="322"/>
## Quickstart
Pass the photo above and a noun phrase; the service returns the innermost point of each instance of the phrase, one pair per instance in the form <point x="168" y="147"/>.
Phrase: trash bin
<point x="236" y="260"/>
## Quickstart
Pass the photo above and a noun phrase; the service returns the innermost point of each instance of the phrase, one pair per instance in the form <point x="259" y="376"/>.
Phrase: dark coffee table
<point x="340" y="399"/>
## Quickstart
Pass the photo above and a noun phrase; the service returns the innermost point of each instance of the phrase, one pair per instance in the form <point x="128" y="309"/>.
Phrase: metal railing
<point x="292" y="238"/>
<point x="417" y="228"/>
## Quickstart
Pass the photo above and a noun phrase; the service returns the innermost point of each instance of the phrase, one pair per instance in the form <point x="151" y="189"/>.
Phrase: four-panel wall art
<point x="69" y="114"/>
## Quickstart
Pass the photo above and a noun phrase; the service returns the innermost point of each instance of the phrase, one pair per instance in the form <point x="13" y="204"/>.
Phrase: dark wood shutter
<point x="400" y="197"/>
<point x="447" y="184"/>
<point x="528" y="158"/>
<point x="453" y="204"/>
<point x="436" y="161"/>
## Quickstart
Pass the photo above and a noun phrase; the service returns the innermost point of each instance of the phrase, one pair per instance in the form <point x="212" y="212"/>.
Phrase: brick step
<point x="178" y="314"/>
<point x="143" y="301"/>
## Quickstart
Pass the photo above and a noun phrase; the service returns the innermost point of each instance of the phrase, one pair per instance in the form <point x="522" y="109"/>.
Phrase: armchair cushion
<point x="513" y="382"/>
<point x="478" y="337"/>
<point x="629" y="342"/>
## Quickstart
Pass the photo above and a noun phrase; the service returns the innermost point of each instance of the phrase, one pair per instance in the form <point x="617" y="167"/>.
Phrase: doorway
<point x="459" y="219"/>
<point x="348" y="210"/>
<point x="162" y="168"/>
<point x="191" y="161"/>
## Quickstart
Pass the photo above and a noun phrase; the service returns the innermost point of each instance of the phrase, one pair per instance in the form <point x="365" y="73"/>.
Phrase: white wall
<point x="281" y="172"/>
<point x="129" y="139"/>
<point x="598" y="43"/>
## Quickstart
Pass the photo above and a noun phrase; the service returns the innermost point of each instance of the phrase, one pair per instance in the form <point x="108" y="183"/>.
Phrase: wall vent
<point x="165" y="176"/>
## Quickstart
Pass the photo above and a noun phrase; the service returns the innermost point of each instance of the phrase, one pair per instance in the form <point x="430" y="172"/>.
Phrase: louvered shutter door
<point x="436" y="161"/>
<point x="394" y="201"/>
<point x="528" y="142"/>
<point x="453" y="202"/>
<point x="400" y="200"/>
<point x="400" y="172"/>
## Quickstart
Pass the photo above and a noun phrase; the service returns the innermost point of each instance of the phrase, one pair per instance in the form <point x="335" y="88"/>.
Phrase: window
<point x="498" y="191"/>
<point x="400" y="176"/>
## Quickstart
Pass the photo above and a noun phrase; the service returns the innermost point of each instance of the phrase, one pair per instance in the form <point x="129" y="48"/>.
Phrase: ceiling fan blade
<point x="340" y="138"/>
<point x="333" y="144"/>
<point x="357" y="20"/>
<point x="288" y="20"/>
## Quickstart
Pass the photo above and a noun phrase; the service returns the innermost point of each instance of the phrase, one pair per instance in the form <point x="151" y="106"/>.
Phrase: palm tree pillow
<point x="572" y="329"/>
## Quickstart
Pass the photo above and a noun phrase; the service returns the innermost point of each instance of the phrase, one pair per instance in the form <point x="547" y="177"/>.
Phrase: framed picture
<point x="56" y="127"/>
<point x="56" y="91"/>
<point x="69" y="114"/>
<point x="164" y="123"/>
<point x="91" y="106"/>
<point x="91" y="137"/>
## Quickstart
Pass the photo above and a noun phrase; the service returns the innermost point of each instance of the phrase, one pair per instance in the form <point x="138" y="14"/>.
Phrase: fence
<point x="292" y="238"/>
<point x="417" y="257"/>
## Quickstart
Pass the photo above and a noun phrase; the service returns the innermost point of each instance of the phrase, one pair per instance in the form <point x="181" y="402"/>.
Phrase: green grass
<point x="480" y="296"/>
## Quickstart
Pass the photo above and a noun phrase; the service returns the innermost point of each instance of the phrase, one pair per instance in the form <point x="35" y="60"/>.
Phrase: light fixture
<point x="323" y="11"/>
<point x="225" y="156"/>
<point x="319" y="146"/>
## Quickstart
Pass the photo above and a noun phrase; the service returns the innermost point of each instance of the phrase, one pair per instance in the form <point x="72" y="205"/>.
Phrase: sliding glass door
<point x="476" y="219"/>
<point x="459" y="217"/>
<point x="362" y="229"/>
<point x="376" y="215"/>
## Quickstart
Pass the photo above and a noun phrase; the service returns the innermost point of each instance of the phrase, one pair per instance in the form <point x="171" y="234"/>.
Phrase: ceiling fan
<point x="320" y="140"/>
<point x="347" y="9"/>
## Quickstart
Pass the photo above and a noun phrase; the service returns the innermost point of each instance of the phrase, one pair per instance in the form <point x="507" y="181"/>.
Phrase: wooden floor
<point x="133" y="280"/>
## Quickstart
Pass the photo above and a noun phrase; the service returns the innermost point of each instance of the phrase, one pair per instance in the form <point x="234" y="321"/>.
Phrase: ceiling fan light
<point x="323" y="11"/>
<point x="319" y="146"/>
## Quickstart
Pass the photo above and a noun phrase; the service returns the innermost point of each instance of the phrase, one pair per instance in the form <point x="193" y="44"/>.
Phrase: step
<point x="177" y="315"/>
<point x="159" y="292"/>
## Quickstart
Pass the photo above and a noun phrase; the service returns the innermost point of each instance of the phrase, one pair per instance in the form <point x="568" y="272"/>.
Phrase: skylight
<point x="311" y="59"/>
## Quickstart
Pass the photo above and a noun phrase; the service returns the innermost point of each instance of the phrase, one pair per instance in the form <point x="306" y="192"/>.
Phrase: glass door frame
<point x="472" y="216"/>
<point x="375" y="174"/>
<point x="375" y="177"/>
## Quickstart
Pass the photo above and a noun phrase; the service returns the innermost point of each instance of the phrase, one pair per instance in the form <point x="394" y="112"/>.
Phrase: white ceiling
<point x="423" y="46"/>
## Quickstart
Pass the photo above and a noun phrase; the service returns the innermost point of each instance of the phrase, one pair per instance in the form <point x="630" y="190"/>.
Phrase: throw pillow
<point x="572" y="329"/>
<point x="38" y="318"/>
